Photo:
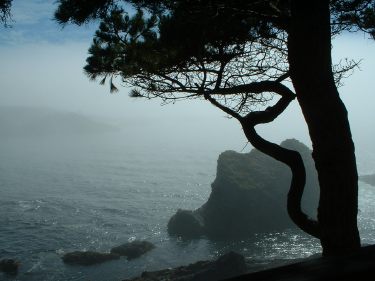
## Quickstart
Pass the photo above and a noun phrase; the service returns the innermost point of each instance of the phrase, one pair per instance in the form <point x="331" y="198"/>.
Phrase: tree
<point x="5" y="6"/>
<point x="238" y="55"/>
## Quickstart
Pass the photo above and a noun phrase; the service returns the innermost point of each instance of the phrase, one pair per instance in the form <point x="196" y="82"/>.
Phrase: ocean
<point x="93" y="192"/>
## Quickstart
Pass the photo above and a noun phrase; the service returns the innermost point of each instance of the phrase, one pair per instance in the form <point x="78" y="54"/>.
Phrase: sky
<point x="41" y="66"/>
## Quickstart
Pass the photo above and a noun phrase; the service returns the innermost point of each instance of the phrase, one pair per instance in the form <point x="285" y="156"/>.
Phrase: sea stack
<point x="249" y="195"/>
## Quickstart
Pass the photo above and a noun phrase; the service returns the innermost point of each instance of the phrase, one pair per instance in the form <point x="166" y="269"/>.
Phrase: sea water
<point x="63" y="194"/>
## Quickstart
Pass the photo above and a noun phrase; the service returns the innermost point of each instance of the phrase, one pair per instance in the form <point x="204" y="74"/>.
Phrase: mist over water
<point x="95" y="190"/>
<point x="81" y="169"/>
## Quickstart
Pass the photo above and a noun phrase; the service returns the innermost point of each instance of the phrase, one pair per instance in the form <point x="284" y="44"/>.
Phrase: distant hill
<point x="33" y="122"/>
<point x="369" y="179"/>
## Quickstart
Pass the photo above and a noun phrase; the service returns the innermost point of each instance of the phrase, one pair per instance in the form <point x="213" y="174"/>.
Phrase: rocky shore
<point x="130" y="250"/>
<point x="359" y="265"/>
<point x="9" y="266"/>
<point x="227" y="266"/>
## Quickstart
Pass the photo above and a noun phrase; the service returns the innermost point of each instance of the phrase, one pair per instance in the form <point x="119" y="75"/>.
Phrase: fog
<point x="49" y="75"/>
<point x="84" y="169"/>
<point x="41" y="67"/>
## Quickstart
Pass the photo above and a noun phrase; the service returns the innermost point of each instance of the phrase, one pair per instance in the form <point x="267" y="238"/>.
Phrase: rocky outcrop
<point x="248" y="196"/>
<point x="9" y="266"/>
<point x="358" y="265"/>
<point x="130" y="250"/>
<point x="88" y="258"/>
<point x="188" y="223"/>
<point x="226" y="266"/>
<point x="133" y="249"/>
<point x="369" y="179"/>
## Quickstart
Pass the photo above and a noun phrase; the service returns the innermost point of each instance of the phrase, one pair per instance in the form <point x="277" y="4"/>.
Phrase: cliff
<point x="248" y="196"/>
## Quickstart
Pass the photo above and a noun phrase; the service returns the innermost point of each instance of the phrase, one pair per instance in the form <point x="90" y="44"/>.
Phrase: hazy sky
<point x="41" y="65"/>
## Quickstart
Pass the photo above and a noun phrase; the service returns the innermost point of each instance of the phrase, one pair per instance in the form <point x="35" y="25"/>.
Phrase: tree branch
<point x="227" y="110"/>
<point x="256" y="87"/>
<point x="289" y="157"/>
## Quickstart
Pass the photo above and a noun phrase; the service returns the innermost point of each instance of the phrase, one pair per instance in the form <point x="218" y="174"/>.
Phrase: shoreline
<point x="359" y="265"/>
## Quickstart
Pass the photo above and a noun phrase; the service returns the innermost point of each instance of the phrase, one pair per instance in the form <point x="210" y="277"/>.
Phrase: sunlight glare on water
<point x="101" y="197"/>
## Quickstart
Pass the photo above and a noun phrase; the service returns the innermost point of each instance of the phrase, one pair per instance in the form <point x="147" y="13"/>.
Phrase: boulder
<point x="186" y="223"/>
<point x="133" y="249"/>
<point x="88" y="258"/>
<point x="357" y="265"/>
<point x="9" y="266"/>
<point x="249" y="195"/>
<point x="226" y="266"/>
<point x="369" y="179"/>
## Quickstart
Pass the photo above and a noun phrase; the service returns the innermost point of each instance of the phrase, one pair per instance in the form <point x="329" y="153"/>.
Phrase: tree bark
<point x="309" y="48"/>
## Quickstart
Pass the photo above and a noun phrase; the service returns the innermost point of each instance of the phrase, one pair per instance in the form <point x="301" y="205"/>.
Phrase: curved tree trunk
<point x="289" y="157"/>
<point x="309" y="46"/>
<point x="294" y="161"/>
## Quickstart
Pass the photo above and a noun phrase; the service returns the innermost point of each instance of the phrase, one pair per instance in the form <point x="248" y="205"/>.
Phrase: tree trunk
<point x="309" y="47"/>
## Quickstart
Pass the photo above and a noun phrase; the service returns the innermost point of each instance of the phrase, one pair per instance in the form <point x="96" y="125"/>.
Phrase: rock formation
<point x="358" y="265"/>
<point x="248" y="196"/>
<point x="88" y="258"/>
<point x="226" y="266"/>
<point x="133" y="249"/>
<point x="9" y="266"/>
<point x="130" y="250"/>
